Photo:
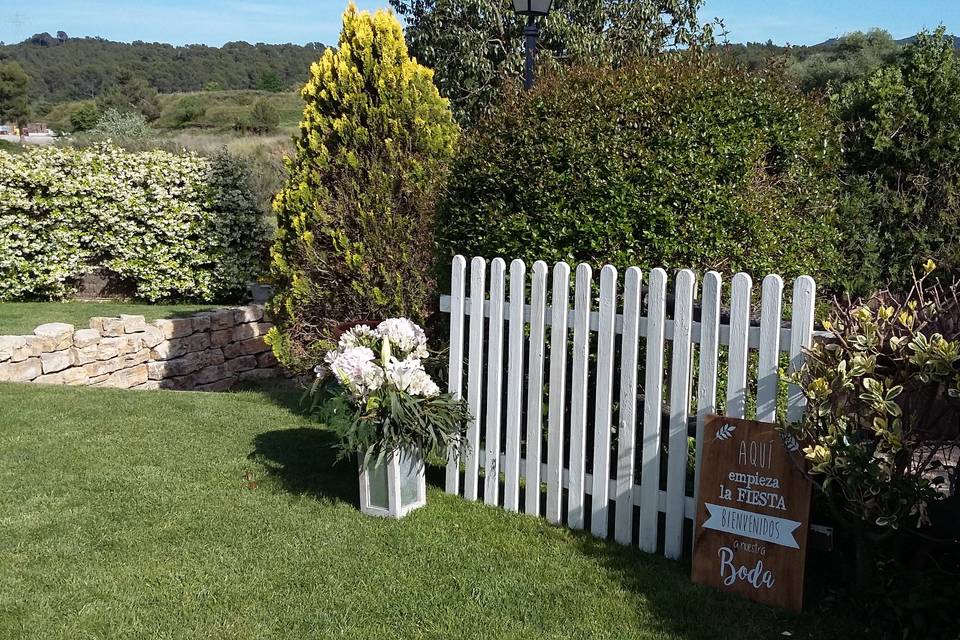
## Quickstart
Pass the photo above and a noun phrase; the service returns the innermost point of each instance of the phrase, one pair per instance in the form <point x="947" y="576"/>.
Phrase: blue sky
<point x="217" y="21"/>
<point x="813" y="21"/>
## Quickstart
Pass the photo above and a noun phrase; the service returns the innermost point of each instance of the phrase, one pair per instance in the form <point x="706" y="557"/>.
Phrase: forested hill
<point x="63" y="68"/>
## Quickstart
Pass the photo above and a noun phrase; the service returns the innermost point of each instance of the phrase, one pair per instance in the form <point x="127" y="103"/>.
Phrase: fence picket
<point x="558" y="396"/>
<point x="677" y="452"/>
<point x="583" y="295"/>
<point x="478" y="267"/>
<point x="652" y="400"/>
<point x="538" y="304"/>
<point x="801" y="335"/>
<point x="455" y="380"/>
<point x="491" y="480"/>
<point x="739" y="345"/>
<point x="518" y="287"/>
<point x="709" y="358"/>
<point x="768" y="368"/>
<point x="627" y="432"/>
<point x="603" y="409"/>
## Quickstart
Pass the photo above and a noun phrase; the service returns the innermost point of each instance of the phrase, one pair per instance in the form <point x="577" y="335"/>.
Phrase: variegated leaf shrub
<point x="882" y="427"/>
<point x="175" y="226"/>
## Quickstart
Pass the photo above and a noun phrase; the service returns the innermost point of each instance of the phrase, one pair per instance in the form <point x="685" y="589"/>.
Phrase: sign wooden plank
<point x="753" y="512"/>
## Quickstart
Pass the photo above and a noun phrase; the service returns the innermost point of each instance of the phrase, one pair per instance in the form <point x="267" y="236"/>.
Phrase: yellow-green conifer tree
<point x="356" y="215"/>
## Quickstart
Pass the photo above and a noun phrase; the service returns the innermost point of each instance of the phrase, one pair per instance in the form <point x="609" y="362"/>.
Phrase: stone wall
<point x="208" y="351"/>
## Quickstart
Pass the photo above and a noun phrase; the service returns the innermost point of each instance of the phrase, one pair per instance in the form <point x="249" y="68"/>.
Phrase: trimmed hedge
<point x="174" y="226"/>
<point x="677" y="161"/>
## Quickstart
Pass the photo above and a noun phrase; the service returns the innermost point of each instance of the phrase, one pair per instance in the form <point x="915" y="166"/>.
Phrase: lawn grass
<point x="129" y="514"/>
<point x="20" y="318"/>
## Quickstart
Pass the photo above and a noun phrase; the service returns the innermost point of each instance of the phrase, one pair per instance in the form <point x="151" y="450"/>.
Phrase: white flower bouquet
<point x="374" y="391"/>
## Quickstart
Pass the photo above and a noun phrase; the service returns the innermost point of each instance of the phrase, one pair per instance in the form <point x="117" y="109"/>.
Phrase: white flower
<point x="356" y="370"/>
<point x="405" y="336"/>
<point x="408" y="375"/>
<point x="354" y="337"/>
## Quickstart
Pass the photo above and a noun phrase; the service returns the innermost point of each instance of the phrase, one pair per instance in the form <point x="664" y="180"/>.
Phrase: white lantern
<point x="532" y="7"/>
<point x="394" y="485"/>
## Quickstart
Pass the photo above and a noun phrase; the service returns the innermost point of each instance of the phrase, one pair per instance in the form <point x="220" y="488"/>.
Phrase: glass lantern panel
<point x="378" y="481"/>
<point x="521" y="6"/>
<point x="540" y="7"/>
<point x="409" y="476"/>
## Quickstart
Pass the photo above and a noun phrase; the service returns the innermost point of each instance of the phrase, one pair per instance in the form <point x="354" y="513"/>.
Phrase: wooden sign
<point x="753" y="512"/>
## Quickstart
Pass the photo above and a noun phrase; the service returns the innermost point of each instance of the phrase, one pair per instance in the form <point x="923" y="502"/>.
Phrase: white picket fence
<point x="506" y="436"/>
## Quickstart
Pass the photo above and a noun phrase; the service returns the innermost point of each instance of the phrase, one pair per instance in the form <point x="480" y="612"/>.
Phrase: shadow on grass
<point x="692" y="611"/>
<point x="303" y="461"/>
<point x="282" y="451"/>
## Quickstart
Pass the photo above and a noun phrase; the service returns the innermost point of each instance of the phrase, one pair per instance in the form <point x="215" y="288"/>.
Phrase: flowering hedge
<point x="174" y="226"/>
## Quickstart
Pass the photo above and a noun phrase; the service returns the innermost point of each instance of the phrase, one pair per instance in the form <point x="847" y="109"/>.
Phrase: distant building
<point x="33" y="128"/>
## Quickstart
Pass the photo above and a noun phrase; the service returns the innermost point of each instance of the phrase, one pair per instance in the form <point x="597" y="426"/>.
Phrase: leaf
<point x="789" y="441"/>
<point x="725" y="432"/>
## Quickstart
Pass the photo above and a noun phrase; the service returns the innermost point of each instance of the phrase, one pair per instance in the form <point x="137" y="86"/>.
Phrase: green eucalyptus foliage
<point x="392" y="421"/>
<point x="476" y="46"/>
<point x="175" y="226"/>
<point x="356" y="216"/>
<point x="674" y="161"/>
<point x="901" y="148"/>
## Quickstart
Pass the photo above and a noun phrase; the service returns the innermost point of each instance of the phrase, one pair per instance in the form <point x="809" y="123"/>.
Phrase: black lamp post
<point x="531" y="9"/>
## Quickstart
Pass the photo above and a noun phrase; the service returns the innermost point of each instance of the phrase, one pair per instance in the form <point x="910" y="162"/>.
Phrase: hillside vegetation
<point x="831" y="63"/>
<point x="64" y="69"/>
<point x="222" y="109"/>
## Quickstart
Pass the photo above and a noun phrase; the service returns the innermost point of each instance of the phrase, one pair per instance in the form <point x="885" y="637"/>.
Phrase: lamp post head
<point x="532" y="8"/>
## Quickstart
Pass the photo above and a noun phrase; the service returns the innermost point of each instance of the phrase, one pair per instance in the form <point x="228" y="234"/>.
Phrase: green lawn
<point x="20" y="318"/>
<point x="130" y="514"/>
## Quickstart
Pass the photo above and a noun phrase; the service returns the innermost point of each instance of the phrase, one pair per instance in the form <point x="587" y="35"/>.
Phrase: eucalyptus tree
<point x="475" y="46"/>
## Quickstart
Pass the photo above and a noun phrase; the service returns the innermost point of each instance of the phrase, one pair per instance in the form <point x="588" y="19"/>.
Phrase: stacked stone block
<point x="208" y="351"/>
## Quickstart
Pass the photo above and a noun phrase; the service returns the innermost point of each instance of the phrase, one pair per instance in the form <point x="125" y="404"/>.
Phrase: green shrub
<point x="902" y="164"/>
<point x="355" y="217"/>
<point x="881" y="434"/>
<point x="175" y="226"/>
<point x="884" y="398"/>
<point x="264" y="117"/>
<point x="85" y="117"/>
<point x="673" y="161"/>
<point x="122" y="124"/>
<point x="188" y="110"/>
